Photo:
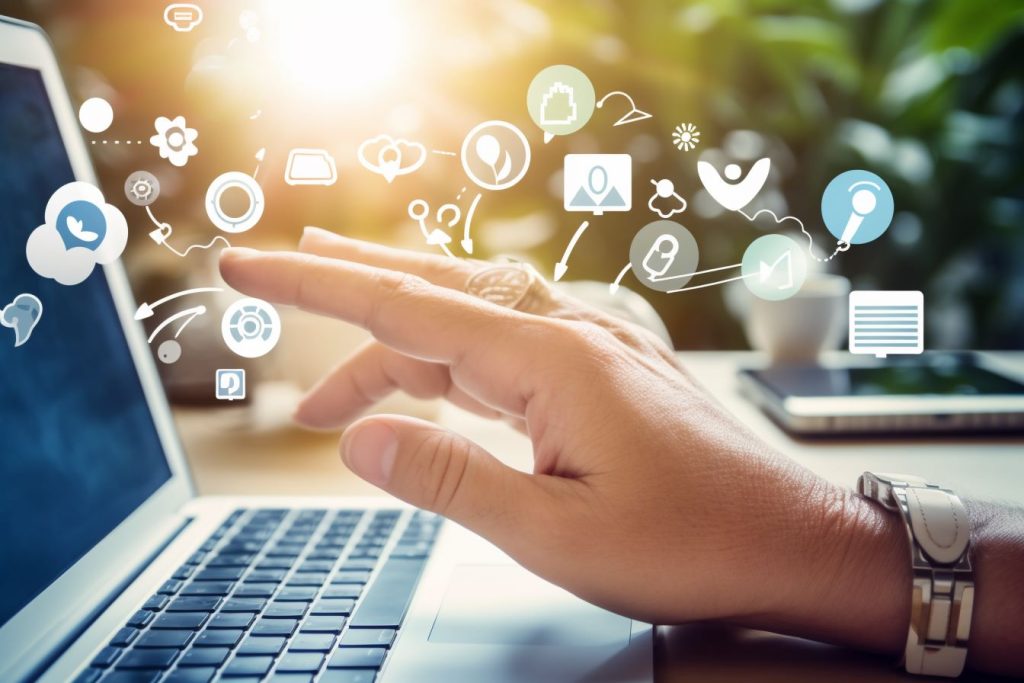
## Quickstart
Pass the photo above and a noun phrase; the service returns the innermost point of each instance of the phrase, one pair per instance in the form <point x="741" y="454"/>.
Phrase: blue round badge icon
<point x="81" y="224"/>
<point x="857" y="207"/>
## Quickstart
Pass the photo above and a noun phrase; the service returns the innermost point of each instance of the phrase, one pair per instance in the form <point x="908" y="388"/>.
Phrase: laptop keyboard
<point x="283" y="595"/>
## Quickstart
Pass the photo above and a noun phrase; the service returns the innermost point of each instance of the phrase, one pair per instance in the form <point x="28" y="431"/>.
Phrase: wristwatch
<point x="942" y="597"/>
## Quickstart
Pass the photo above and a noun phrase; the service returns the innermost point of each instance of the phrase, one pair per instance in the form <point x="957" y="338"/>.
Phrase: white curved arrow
<point x="191" y="313"/>
<point x="146" y="309"/>
<point x="467" y="241"/>
<point x="563" y="265"/>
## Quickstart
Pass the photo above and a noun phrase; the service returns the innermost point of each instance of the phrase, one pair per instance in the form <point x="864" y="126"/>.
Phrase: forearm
<point x="855" y="587"/>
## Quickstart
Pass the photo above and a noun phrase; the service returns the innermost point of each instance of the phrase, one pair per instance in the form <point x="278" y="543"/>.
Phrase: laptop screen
<point x="78" y="448"/>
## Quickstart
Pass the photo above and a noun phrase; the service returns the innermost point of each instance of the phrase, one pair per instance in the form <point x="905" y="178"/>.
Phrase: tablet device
<point x="932" y="393"/>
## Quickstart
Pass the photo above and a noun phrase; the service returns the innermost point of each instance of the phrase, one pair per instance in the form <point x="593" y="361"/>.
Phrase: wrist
<point x="847" y="578"/>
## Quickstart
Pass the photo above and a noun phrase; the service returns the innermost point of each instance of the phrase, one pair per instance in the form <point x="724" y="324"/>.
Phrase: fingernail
<point x="369" y="450"/>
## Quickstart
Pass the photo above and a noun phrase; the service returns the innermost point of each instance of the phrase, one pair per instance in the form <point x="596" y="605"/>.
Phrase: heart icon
<point x="391" y="158"/>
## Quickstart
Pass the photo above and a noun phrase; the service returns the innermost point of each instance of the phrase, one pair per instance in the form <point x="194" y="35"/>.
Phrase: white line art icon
<point x="631" y="116"/>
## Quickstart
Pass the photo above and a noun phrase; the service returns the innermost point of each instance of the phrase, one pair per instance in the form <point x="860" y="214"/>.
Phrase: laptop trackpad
<point x="505" y="604"/>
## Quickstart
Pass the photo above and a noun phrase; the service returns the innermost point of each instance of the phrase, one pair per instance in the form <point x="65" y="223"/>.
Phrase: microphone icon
<point x="863" y="202"/>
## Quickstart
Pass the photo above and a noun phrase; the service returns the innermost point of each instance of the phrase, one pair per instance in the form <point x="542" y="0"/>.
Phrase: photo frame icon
<point x="230" y="384"/>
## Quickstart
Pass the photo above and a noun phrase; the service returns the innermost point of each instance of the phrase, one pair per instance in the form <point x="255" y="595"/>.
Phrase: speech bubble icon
<point x="183" y="16"/>
<point x="560" y="100"/>
<point x="81" y="224"/>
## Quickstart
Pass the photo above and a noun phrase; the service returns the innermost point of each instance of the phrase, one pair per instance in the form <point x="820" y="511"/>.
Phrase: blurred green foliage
<point x="928" y="94"/>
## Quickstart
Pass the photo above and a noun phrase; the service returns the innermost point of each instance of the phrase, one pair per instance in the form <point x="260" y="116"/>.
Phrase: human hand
<point x="646" y="498"/>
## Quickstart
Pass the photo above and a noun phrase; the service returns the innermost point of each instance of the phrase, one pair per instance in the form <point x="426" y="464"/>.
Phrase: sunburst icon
<point x="685" y="136"/>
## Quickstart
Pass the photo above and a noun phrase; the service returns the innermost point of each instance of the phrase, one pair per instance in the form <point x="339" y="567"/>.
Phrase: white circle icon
<point x="234" y="180"/>
<point x="96" y="115"/>
<point x="495" y="155"/>
<point x="250" y="327"/>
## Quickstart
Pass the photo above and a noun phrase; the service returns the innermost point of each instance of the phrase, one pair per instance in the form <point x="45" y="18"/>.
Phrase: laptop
<point x="113" y="570"/>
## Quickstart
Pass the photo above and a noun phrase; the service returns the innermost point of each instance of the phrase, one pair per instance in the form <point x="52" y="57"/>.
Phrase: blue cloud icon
<point x="22" y="315"/>
<point x="80" y="231"/>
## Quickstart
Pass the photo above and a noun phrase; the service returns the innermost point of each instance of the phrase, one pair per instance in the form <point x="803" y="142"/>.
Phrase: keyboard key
<point x="275" y="627"/>
<point x="208" y="588"/>
<point x="301" y="662"/>
<point x="332" y="606"/>
<point x="156" y="603"/>
<point x="132" y="676"/>
<point x="346" y="590"/>
<point x="124" y="637"/>
<point x="293" y="610"/>
<point x="204" y="656"/>
<point x="148" y="659"/>
<point x="233" y="620"/>
<point x="178" y="639"/>
<point x="368" y="637"/>
<point x="292" y="677"/>
<point x="198" y="675"/>
<point x="348" y="676"/>
<point x="261" y="645"/>
<point x="185" y="571"/>
<point x="171" y="587"/>
<point x="255" y="590"/>
<point x="106" y="657"/>
<point x="357" y="658"/>
<point x="140" y="619"/>
<point x="312" y="642"/>
<point x="351" y="576"/>
<point x="389" y="595"/>
<point x="314" y="566"/>
<point x="220" y="574"/>
<point x="358" y="564"/>
<point x="194" y="603"/>
<point x="248" y="666"/>
<point x="324" y="624"/>
<point x="232" y="561"/>
<point x="275" y="563"/>
<point x="182" y="620"/>
<point x="225" y="638"/>
<point x="308" y="579"/>
<point x="299" y="593"/>
<point x="266" y="576"/>
<point x="244" y="605"/>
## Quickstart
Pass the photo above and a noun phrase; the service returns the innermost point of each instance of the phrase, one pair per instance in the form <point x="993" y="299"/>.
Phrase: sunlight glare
<point x="337" y="48"/>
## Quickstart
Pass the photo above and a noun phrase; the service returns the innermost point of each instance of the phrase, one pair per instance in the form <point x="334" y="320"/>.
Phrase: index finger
<point x="487" y="346"/>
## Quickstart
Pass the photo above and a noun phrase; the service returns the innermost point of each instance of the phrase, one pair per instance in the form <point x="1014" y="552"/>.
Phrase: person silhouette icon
<point x="734" y="192"/>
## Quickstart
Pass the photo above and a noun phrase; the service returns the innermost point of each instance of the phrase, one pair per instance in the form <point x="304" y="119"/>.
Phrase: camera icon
<point x="230" y="384"/>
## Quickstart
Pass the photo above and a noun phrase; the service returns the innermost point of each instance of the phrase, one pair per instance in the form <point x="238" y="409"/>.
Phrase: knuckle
<point x="393" y="287"/>
<point x="444" y="465"/>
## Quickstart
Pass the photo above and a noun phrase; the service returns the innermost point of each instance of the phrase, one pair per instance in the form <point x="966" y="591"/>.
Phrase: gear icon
<point x="141" y="188"/>
<point x="174" y="139"/>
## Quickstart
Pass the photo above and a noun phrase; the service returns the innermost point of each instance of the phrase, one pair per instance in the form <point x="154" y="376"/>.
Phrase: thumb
<point x="441" y="471"/>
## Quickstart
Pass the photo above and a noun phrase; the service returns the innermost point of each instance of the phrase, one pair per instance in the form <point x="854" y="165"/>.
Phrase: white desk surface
<point x="226" y="460"/>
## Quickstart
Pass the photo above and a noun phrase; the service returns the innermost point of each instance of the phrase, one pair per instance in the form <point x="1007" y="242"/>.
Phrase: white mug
<point x="797" y="329"/>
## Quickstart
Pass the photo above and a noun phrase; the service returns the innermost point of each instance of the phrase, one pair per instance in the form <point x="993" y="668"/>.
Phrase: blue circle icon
<point x="81" y="224"/>
<point x="857" y="207"/>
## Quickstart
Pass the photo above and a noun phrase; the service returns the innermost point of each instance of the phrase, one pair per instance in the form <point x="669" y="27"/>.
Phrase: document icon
<point x="883" y="323"/>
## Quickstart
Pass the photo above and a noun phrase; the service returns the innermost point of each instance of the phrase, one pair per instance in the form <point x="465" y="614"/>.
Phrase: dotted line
<point x="118" y="142"/>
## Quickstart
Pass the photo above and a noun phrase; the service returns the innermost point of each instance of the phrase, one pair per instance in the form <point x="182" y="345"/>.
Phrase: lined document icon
<point x="883" y="323"/>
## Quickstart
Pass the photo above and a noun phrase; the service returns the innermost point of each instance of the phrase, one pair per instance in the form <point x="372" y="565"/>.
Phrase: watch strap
<point x="942" y="598"/>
